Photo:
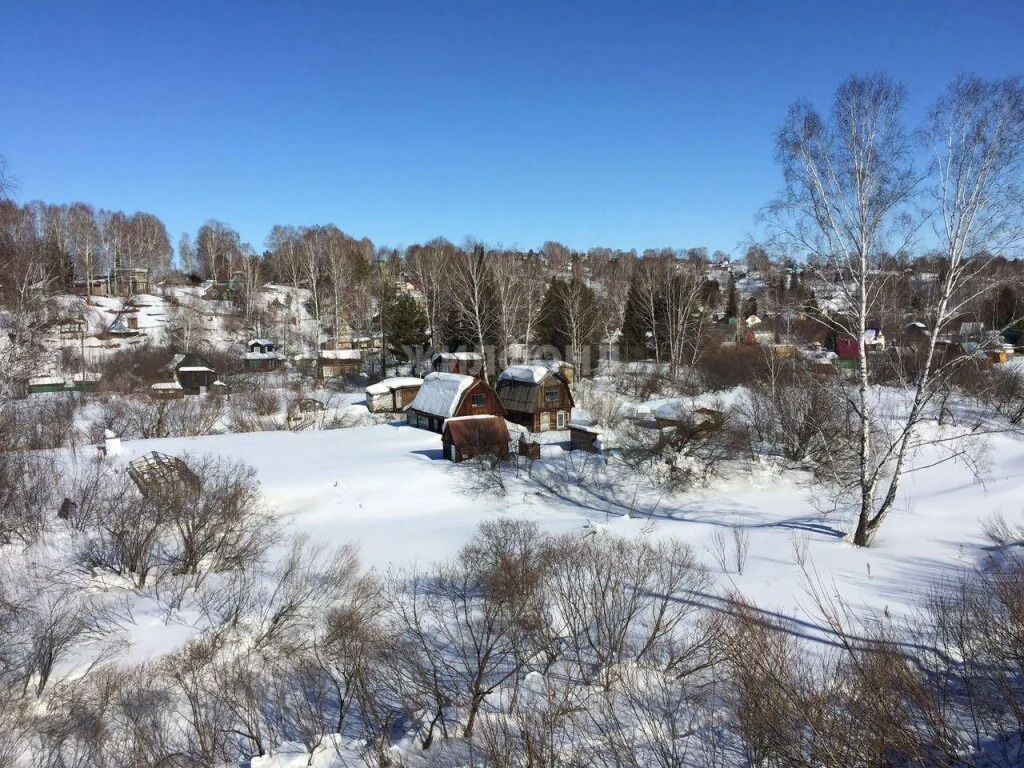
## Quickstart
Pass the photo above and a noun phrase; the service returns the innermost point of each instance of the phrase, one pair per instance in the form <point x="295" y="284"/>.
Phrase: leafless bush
<point x="976" y="623"/>
<point x="730" y="552"/>
<point x="38" y="424"/>
<point x="1005" y="392"/>
<point x="468" y="627"/>
<point x="143" y="417"/>
<point x="218" y="523"/>
<point x="115" y="717"/>
<point x="730" y="366"/>
<point x="134" y="368"/>
<point x="224" y="526"/>
<point x="308" y="581"/>
<point x="802" y="416"/>
<point x="800" y="543"/>
<point x="28" y="501"/>
<point x="265" y="402"/>
<point x="55" y="616"/>
<point x="606" y="407"/>
<point x="624" y="601"/>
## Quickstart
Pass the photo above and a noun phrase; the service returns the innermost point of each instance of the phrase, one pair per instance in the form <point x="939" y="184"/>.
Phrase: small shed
<point x="465" y="437"/>
<point x="392" y="395"/>
<point x="262" y="355"/>
<point x="445" y="395"/>
<point x="167" y="390"/>
<point x="194" y="374"/>
<point x="535" y="397"/>
<point x="339" y="362"/>
<point x="38" y="385"/>
<point x="85" y="382"/>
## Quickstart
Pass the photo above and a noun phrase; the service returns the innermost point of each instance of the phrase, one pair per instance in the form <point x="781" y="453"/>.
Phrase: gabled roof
<point x="518" y="386"/>
<point x="189" y="360"/>
<point x="441" y="394"/>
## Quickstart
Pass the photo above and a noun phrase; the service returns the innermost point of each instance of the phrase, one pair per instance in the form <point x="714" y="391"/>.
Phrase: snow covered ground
<point x="389" y="489"/>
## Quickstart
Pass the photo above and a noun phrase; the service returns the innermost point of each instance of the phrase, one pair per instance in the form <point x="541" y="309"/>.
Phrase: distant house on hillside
<point x="466" y="363"/>
<point x="392" y="395"/>
<point x="192" y="374"/>
<point x="465" y="437"/>
<point x="93" y="286"/>
<point x="339" y="362"/>
<point x="535" y="397"/>
<point x="447" y="395"/>
<point x="128" y="281"/>
<point x="262" y="355"/>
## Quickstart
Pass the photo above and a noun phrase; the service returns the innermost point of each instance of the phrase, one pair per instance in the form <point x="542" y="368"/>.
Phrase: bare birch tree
<point x="850" y="187"/>
<point x="848" y="182"/>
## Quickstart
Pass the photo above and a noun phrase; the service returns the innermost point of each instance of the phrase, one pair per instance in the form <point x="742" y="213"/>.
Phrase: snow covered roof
<point x="441" y="393"/>
<point x="166" y="385"/>
<point x="341" y="354"/>
<point x="195" y="368"/>
<point x="260" y="342"/>
<point x="527" y="374"/>
<point x="398" y="382"/>
<point x="42" y="381"/>
<point x="264" y="356"/>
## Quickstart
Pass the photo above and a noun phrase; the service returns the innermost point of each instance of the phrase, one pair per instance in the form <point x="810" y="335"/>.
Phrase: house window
<point x="551" y="394"/>
<point x="560" y="420"/>
<point x="478" y="401"/>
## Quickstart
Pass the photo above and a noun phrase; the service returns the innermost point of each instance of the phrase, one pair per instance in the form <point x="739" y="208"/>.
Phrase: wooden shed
<point x="465" y="437"/>
<point x="193" y="373"/>
<point x="339" y="362"/>
<point x="535" y="397"/>
<point x="38" y="385"/>
<point x="392" y="395"/>
<point x="447" y="395"/>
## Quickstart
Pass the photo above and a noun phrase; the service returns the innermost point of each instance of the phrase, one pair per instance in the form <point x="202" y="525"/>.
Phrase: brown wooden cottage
<point x="446" y="395"/>
<point x="465" y="437"/>
<point x="535" y="397"/>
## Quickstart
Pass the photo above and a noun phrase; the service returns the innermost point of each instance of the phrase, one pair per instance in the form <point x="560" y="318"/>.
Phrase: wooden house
<point x="193" y="373"/>
<point x="339" y="362"/>
<point x="392" y="395"/>
<point x="262" y="355"/>
<point x="535" y="397"/>
<point x="448" y="395"/>
<point x="129" y="281"/>
<point x="466" y="363"/>
<point x="465" y="437"/>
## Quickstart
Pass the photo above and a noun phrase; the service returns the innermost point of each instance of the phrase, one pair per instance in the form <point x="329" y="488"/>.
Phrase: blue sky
<point x="634" y="124"/>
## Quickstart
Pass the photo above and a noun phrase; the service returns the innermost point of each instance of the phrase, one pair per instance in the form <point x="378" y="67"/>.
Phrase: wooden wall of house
<point x="491" y="405"/>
